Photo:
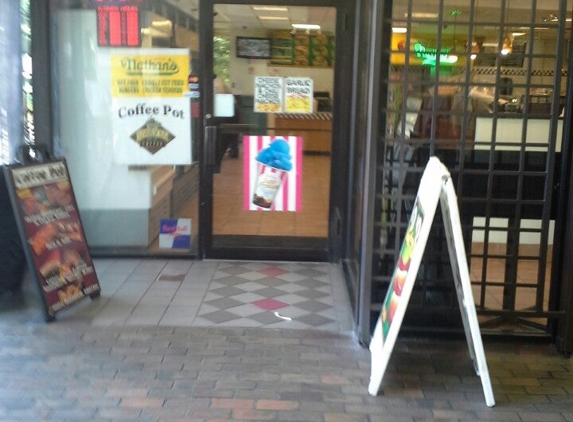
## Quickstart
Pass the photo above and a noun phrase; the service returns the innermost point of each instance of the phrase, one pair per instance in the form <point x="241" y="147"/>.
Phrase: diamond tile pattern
<point x="273" y="271"/>
<point x="176" y="293"/>
<point x="300" y="293"/>
<point x="269" y="304"/>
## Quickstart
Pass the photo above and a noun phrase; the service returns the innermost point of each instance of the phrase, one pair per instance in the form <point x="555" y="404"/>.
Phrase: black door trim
<point x="309" y="249"/>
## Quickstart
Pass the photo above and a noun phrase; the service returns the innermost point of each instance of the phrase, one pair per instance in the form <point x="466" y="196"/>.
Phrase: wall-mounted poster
<point x="52" y="233"/>
<point x="151" y="111"/>
<point x="272" y="168"/>
<point x="298" y="95"/>
<point x="268" y="96"/>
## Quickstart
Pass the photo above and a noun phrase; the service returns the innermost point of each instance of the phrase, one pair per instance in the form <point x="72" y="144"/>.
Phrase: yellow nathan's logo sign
<point x="149" y="75"/>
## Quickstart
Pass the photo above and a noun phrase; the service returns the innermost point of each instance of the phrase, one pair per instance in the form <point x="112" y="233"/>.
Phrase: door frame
<point x="340" y="137"/>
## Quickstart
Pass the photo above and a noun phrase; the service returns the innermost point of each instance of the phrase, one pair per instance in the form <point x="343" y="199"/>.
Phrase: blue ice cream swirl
<point x="276" y="155"/>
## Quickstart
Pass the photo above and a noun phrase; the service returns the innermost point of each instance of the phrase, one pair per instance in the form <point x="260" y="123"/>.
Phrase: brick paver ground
<point x="76" y="371"/>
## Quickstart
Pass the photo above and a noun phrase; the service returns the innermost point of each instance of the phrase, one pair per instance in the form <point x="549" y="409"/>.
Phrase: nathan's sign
<point x="51" y="231"/>
<point x="151" y="112"/>
<point x="157" y="75"/>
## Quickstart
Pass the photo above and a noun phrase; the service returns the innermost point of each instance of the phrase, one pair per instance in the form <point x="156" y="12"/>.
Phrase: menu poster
<point x="268" y="94"/>
<point x="298" y="95"/>
<point x="52" y="234"/>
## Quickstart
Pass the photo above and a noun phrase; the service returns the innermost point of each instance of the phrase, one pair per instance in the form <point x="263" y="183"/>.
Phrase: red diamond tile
<point x="269" y="304"/>
<point x="273" y="271"/>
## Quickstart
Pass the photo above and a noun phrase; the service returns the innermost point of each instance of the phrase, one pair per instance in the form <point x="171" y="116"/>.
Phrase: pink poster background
<point x="289" y="196"/>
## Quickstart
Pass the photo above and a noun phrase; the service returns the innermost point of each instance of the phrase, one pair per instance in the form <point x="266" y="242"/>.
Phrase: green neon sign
<point x="429" y="55"/>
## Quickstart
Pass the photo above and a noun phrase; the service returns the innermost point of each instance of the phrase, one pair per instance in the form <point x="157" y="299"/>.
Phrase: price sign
<point x="118" y="26"/>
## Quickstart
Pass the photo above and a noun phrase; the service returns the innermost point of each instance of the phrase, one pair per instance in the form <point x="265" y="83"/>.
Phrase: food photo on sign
<point x="299" y="95"/>
<point x="268" y="96"/>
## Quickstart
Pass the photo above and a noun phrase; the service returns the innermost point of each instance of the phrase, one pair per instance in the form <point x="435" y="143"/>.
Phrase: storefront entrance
<point x="268" y="135"/>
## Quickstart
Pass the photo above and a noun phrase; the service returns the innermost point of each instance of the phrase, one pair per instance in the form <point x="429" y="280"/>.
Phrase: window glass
<point x="126" y="122"/>
<point x="482" y="88"/>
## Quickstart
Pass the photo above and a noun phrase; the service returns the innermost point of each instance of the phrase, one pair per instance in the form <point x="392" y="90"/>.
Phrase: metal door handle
<point x="210" y="144"/>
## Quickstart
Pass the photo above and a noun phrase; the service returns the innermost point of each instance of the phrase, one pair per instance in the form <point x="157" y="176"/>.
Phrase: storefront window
<point x="126" y="124"/>
<point x="15" y="53"/>
<point x="483" y="89"/>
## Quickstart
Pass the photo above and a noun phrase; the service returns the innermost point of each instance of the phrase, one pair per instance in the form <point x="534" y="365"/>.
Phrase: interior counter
<point x="315" y="129"/>
<point x="509" y="131"/>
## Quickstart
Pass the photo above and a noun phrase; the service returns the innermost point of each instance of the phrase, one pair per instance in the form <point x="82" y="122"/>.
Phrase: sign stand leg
<point x="458" y="259"/>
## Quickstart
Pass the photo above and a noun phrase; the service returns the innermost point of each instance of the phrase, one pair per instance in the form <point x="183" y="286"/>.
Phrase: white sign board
<point x="435" y="186"/>
<point x="160" y="136"/>
<point x="299" y="95"/>
<point x="268" y="96"/>
<point x="151" y="112"/>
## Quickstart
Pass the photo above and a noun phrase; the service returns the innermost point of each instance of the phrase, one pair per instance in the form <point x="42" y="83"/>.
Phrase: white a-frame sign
<point x="436" y="185"/>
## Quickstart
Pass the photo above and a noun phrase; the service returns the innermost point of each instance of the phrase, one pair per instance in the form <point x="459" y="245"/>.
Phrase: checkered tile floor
<point x="184" y="293"/>
<point x="274" y="296"/>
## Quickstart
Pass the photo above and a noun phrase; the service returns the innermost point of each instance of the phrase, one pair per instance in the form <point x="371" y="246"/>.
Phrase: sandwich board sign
<point x="436" y="186"/>
<point x="52" y="234"/>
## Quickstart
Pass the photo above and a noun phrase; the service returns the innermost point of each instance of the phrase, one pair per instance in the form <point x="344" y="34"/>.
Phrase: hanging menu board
<point x="282" y="48"/>
<point x="52" y="234"/>
<point x="319" y="50"/>
<point x="302" y="49"/>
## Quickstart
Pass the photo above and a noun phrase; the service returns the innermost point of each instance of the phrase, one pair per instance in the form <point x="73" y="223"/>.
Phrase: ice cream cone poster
<point x="400" y="274"/>
<point x="272" y="179"/>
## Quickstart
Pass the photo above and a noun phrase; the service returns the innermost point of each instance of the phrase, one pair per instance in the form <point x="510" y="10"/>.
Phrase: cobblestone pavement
<point x="74" y="370"/>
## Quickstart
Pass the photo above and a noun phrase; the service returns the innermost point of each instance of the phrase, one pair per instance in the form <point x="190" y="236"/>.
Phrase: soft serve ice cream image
<point x="273" y="163"/>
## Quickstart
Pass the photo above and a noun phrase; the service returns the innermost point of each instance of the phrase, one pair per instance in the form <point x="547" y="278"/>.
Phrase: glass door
<point x="268" y="130"/>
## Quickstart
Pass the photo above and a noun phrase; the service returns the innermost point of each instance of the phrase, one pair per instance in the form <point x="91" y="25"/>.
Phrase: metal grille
<point x="493" y="120"/>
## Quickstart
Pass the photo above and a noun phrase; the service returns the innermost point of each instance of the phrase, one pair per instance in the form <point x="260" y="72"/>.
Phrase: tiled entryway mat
<point x="273" y="295"/>
<point x="180" y="293"/>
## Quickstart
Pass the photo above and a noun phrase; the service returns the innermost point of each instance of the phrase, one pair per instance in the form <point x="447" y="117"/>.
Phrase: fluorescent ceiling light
<point x="166" y="22"/>
<point x="399" y="30"/>
<point x="273" y="18"/>
<point x="305" y="26"/>
<point x="422" y="15"/>
<point x="271" y="8"/>
<point x="518" y="34"/>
